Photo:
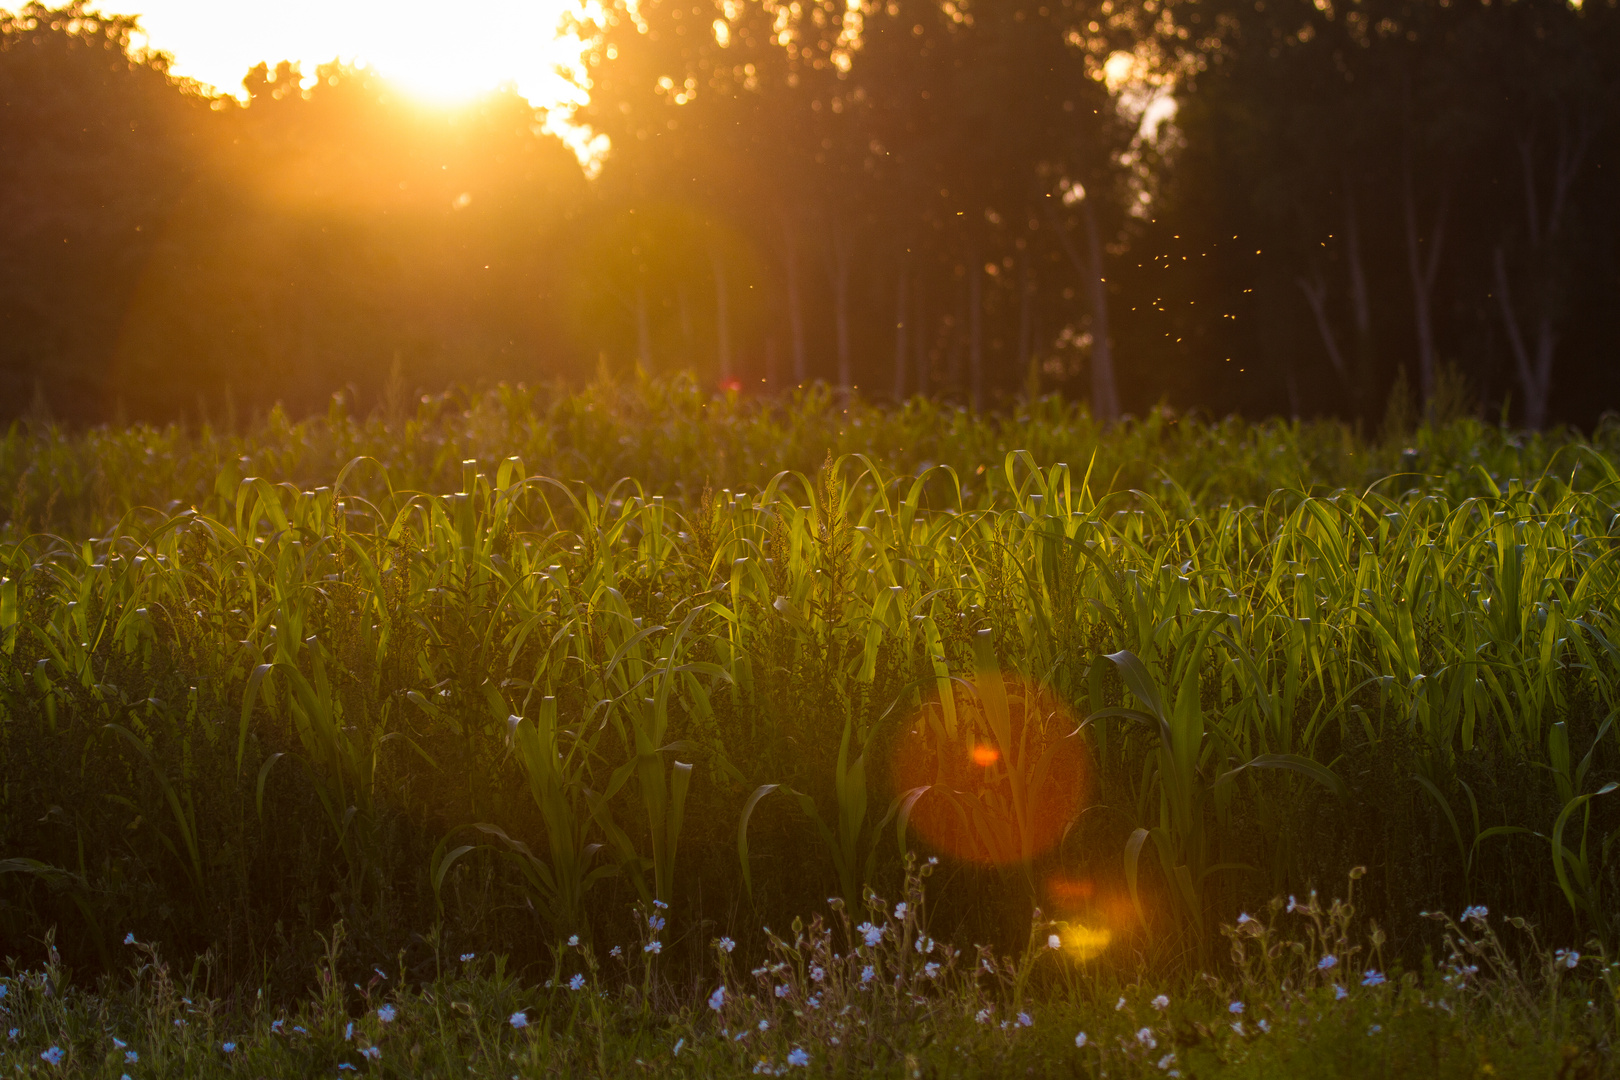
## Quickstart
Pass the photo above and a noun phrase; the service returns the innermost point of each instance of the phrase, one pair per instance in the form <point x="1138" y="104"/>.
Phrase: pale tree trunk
<point x="795" y="302"/>
<point x="1534" y="370"/>
<point x="1353" y="369"/>
<point x="722" y="313"/>
<point x="1315" y="290"/>
<point x="901" y="311"/>
<point x="1089" y="265"/>
<point x="1423" y="265"/>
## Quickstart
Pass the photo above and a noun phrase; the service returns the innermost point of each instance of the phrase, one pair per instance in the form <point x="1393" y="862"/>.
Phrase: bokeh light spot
<point x="1000" y="767"/>
<point x="1082" y="942"/>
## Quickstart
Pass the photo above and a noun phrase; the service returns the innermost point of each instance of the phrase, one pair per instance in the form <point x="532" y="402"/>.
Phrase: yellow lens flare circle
<point x="1081" y="942"/>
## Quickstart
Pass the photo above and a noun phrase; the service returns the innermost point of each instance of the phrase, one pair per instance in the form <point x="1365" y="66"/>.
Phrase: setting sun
<point x="443" y="53"/>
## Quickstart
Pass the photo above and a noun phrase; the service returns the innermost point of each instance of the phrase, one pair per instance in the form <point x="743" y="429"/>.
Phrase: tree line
<point x="1368" y="209"/>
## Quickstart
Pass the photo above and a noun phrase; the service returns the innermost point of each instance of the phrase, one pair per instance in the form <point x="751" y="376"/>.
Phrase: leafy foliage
<point x="515" y="706"/>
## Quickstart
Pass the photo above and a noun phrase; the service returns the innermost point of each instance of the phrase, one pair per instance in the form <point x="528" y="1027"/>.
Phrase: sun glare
<point x="444" y="54"/>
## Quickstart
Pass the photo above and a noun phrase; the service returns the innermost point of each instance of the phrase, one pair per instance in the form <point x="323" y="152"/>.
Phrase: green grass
<point x="518" y="667"/>
<point x="1297" y="998"/>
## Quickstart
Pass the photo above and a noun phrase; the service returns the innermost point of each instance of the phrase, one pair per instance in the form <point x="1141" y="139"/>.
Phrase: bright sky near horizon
<point x="441" y="51"/>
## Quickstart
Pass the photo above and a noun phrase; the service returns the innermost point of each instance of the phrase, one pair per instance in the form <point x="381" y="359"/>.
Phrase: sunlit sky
<point x="445" y="52"/>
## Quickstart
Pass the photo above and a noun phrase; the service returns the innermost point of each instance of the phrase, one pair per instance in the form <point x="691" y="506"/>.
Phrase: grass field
<point x="526" y="677"/>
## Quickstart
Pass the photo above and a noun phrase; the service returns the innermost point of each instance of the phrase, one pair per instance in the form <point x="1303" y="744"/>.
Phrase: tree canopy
<point x="1303" y="207"/>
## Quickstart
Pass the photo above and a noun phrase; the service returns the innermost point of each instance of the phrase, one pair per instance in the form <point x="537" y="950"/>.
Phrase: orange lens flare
<point x="1067" y="892"/>
<point x="1013" y="812"/>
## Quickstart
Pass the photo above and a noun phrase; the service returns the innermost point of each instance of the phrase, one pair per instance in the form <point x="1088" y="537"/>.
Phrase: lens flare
<point x="997" y="771"/>
<point x="1082" y="942"/>
<point x="1066" y="892"/>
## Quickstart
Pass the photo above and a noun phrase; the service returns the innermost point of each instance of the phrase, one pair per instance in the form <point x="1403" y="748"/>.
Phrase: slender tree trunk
<point x="1534" y="372"/>
<point x="919" y="338"/>
<point x="901" y="313"/>
<point x="722" y="313"/>
<point x="1422" y="266"/>
<point x="1036" y="364"/>
<point x="1360" y="306"/>
<point x="975" y="324"/>
<point x="957" y="335"/>
<point x="1026" y="309"/>
<point x="838" y="268"/>
<point x="1104" y="390"/>
<point x="795" y="301"/>
<point x="643" y="329"/>
<point x="1315" y="290"/>
<point x="684" y="302"/>
<point x="1089" y="265"/>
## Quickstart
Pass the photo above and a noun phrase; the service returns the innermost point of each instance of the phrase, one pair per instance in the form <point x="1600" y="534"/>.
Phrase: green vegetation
<point x="383" y="674"/>
<point x="1305" y="1001"/>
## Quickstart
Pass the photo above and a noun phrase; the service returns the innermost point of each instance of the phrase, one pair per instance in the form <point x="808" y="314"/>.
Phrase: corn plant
<point x="1183" y="778"/>
<point x="347" y="654"/>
